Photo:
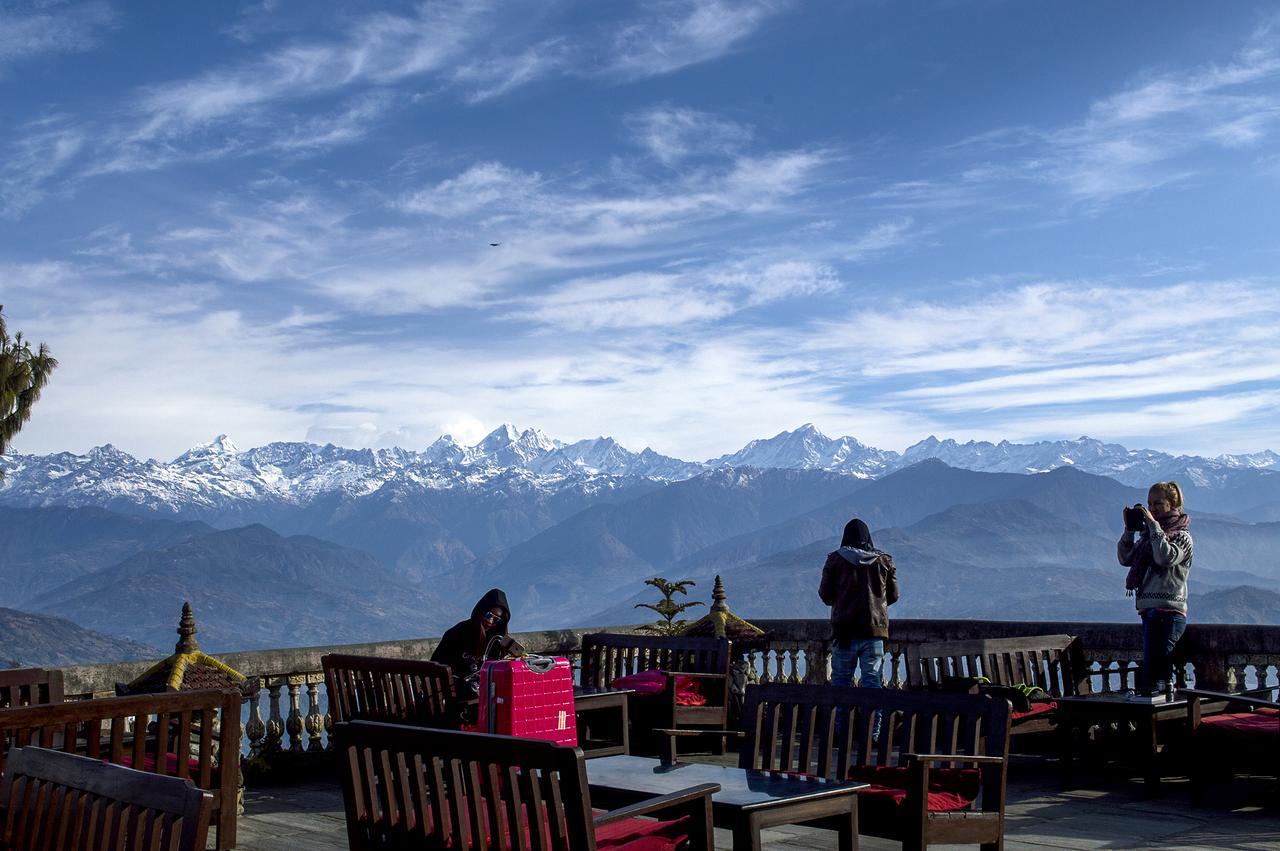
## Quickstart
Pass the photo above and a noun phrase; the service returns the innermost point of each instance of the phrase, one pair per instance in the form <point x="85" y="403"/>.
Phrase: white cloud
<point x="44" y="149"/>
<point x="672" y="134"/>
<point x="675" y="33"/>
<point x="48" y="29"/>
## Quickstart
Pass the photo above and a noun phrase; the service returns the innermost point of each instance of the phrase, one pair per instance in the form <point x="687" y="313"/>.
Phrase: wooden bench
<point x="29" y="687"/>
<point x="1055" y="663"/>
<point x="61" y="801"/>
<point x="920" y="794"/>
<point x="190" y="734"/>
<point x="402" y="691"/>
<point x="608" y="656"/>
<point x="1243" y="734"/>
<point x="418" y="787"/>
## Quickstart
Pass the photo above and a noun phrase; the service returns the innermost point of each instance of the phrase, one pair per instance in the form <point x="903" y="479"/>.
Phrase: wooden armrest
<point x="695" y="731"/>
<point x="683" y="797"/>
<point x="1243" y="697"/>
<point x="944" y="757"/>
<point x="695" y="675"/>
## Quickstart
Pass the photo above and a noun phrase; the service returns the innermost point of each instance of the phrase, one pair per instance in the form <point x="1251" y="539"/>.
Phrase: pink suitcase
<point x="531" y="698"/>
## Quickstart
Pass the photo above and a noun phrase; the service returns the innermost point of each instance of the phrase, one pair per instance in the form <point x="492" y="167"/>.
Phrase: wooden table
<point x="607" y="707"/>
<point x="1077" y="714"/>
<point x="748" y="800"/>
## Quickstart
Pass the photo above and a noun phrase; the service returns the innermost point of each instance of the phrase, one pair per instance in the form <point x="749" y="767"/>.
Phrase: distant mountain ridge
<point x="215" y="478"/>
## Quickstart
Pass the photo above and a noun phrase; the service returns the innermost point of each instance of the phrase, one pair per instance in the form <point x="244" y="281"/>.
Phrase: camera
<point x="1134" y="519"/>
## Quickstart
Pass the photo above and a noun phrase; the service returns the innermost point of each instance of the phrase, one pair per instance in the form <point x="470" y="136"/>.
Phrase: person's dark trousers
<point x="1160" y="633"/>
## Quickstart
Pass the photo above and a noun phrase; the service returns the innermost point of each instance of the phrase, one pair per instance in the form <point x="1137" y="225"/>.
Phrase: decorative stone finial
<point x="186" y="632"/>
<point x="718" y="597"/>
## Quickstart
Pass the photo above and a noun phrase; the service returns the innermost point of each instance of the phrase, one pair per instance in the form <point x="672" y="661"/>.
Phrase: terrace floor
<point x="1040" y="815"/>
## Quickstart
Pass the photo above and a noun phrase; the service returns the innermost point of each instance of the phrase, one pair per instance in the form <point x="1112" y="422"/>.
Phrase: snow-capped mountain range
<point x="298" y="473"/>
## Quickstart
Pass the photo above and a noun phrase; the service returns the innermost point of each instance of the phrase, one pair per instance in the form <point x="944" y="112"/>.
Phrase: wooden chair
<point x="66" y="802"/>
<point x="189" y="734"/>
<point x="1245" y="734"/>
<point x="920" y="794"/>
<point x="607" y="657"/>
<point x="30" y="687"/>
<point x="402" y="691"/>
<point x="1055" y="663"/>
<point x="418" y="787"/>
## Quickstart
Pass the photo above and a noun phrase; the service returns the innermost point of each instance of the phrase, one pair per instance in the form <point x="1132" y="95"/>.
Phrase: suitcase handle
<point x="540" y="664"/>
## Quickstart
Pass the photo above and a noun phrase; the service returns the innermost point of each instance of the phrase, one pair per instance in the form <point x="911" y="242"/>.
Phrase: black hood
<point x="493" y="597"/>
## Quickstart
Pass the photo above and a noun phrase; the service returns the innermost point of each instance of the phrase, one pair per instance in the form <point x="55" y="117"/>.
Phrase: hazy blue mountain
<point x="41" y="548"/>
<point x="1244" y="604"/>
<point x="569" y="566"/>
<point x="251" y="588"/>
<point x="33" y="641"/>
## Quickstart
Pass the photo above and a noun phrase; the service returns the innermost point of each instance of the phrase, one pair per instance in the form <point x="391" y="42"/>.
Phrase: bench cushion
<point x="1244" y="724"/>
<point x="640" y="834"/>
<point x="1038" y="707"/>
<point x="951" y="785"/>
<point x="649" y="683"/>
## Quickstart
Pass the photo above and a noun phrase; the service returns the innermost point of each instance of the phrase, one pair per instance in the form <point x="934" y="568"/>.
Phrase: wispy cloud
<point x="675" y="33"/>
<point x="42" y="149"/>
<point x="672" y="133"/>
<point x="35" y="30"/>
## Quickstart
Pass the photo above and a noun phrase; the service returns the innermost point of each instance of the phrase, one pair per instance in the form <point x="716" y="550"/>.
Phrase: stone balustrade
<point x="289" y="710"/>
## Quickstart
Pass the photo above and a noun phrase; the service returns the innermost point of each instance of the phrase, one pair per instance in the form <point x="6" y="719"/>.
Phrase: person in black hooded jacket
<point x="468" y="644"/>
<point x="859" y="583"/>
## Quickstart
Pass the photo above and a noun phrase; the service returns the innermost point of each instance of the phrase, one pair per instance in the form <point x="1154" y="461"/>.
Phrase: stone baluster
<point x="255" y="729"/>
<point x="294" y="722"/>
<point x="275" y="722"/>
<point x="794" y="678"/>
<point x="314" y="722"/>
<point x="328" y="731"/>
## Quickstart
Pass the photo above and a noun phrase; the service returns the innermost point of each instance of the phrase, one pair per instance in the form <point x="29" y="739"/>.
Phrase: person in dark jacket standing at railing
<point x="859" y="583"/>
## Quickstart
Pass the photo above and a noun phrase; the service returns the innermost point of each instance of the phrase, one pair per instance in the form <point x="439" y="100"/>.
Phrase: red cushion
<point x="633" y="834"/>
<point x="639" y="834"/>
<point x="1037" y="708"/>
<point x="963" y="783"/>
<point x="1251" y="724"/>
<point x="890" y="797"/>
<point x="648" y="683"/>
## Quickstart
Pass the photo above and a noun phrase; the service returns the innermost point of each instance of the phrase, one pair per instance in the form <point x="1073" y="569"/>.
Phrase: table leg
<point x="848" y="832"/>
<point x="626" y="726"/>
<point x="746" y="833"/>
<point x="1151" y="744"/>
<point x="1066" y="750"/>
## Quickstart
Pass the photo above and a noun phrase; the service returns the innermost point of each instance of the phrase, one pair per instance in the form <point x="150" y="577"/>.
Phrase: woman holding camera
<point x="1159" y="559"/>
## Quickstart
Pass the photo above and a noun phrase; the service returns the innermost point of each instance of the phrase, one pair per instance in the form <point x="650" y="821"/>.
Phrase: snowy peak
<point x="806" y="448"/>
<point x="506" y="447"/>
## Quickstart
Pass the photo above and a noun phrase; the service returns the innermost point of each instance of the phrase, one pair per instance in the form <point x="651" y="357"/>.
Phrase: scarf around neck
<point x="1172" y="523"/>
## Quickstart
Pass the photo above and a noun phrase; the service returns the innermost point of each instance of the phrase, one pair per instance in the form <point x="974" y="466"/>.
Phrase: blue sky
<point x="716" y="220"/>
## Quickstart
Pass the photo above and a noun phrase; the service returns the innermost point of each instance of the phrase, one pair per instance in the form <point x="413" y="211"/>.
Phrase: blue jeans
<point x="866" y="654"/>
<point x="1160" y="632"/>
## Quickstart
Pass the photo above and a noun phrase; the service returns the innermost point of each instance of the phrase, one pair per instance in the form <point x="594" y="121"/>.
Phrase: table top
<point x="1120" y="702"/>
<point x="740" y="788"/>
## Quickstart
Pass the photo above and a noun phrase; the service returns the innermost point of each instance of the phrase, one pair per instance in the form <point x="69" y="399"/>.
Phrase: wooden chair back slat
<point x="164" y="734"/>
<point x="429" y="787"/>
<point x="402" y="691"/>
<point x="1055" y="663"/>
<point x="62" y="801"/>
<point x="30" y="687"/>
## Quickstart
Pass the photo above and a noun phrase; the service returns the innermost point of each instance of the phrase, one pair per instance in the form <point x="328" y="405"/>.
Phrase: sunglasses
<point x="490" y="617"/>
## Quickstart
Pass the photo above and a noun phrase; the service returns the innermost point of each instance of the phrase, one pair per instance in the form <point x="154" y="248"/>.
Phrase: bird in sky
<point x="494" y="244"/>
